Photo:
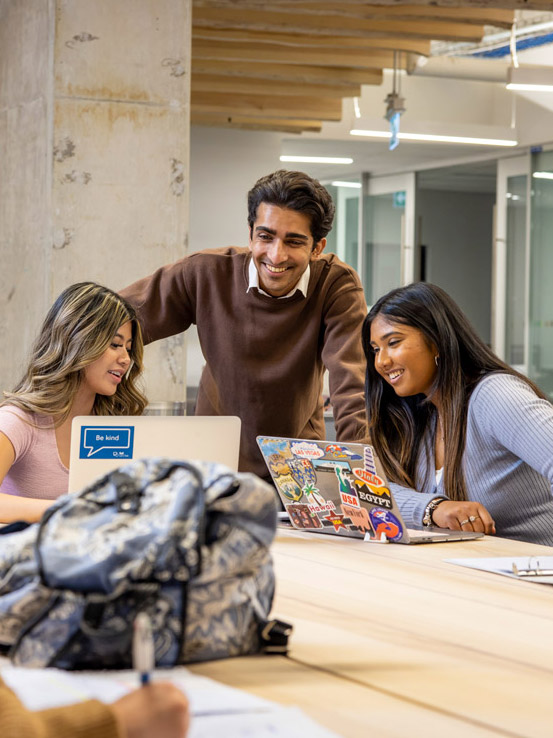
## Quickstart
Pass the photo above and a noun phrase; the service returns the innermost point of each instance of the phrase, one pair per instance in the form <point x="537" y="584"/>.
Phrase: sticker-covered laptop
<point x="340" y="488"/>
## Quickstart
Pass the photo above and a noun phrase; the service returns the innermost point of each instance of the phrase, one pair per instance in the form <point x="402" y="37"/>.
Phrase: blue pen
<point x="143" y="653"/>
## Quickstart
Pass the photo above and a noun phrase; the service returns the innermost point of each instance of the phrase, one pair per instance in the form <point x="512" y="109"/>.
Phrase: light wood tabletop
<point x="390" y="639"/>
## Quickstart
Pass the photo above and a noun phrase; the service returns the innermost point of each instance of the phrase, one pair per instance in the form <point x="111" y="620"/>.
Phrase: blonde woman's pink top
<point x="37" y="470"/>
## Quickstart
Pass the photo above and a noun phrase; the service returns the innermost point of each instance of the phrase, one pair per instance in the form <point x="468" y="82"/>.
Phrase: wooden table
<point x="390" y="640"/>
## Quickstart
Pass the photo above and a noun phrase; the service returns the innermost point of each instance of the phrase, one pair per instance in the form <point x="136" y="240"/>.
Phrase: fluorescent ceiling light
<point x="531" y="80"/>
<point x="356" y="185"/>
<point x="436" y="139"/>
<point x="318" y="159"/>
<point x="543" y="175"/>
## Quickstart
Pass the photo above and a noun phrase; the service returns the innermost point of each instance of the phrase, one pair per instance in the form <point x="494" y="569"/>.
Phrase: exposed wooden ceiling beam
<point x="331" y="43"/>
<point x="479" y="16"/>
<point x="286" y="65"/>
<point x="257" y="124"/>
<point x="546" y="5"/>
<point x="274" y="106"/>
<point x="288" y="72"/>
<point x="467" y="14"/>
<point x="287" y="22"/>
<point x="253" y="86"/>
<point x="272" y="53"/>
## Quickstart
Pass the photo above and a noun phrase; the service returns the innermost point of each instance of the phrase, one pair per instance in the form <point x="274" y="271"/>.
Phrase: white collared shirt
<point x="302" y="284"/>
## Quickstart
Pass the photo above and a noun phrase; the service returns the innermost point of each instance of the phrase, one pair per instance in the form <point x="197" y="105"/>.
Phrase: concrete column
<point x="104" y="167"/>
<point x="26" y="104"/>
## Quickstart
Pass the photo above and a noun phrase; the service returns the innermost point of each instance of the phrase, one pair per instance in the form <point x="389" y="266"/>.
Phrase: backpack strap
<point x="274" y="635"/>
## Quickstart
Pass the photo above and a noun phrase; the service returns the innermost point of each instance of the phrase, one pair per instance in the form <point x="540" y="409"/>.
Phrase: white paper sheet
<point x="504" y="565"/>
<point x="216" y="708"/>
<point x="285" y="722"/>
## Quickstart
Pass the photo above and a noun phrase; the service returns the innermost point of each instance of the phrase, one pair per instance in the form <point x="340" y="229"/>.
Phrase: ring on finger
<point x="474" y="517"/>
<point x="464" y="522"/>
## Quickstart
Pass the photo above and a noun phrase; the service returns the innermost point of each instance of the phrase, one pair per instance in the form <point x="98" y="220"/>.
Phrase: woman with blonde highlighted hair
<point x="85" y="361"/>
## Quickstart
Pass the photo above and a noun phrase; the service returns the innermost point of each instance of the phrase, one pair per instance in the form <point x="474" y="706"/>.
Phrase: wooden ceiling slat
<point x="277" y="106"/>
<point x="412" y="46"/>
<point x="467" y="14"/>
<point x="272" y="53"/>
<point x="222" y="83"/>
<point x="545" y="5"/>
<point x="288" y="72"/>
<point x="259" y="124"/>
<point x="286" y="22"/>
<point x="481" y="16"/>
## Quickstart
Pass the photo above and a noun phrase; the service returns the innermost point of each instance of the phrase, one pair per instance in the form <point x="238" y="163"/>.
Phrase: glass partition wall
<point x="515" y="283"/>
<point x="540" y="353"/>
<point x="387" y="259"/>
<point x="343" y="239"/>
<point x="379" y="214"/>
<point x="384" y="223"/>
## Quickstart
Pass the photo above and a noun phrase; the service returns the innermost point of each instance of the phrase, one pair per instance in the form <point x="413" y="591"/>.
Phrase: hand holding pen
<point x="160" y="708"/>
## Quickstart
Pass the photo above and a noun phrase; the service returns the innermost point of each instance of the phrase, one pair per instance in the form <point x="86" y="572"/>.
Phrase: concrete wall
<point x="456" y="228"/>
<point x="224" y="164"/>
<point x="26" y="29"/>
<point x="111" y="135"/>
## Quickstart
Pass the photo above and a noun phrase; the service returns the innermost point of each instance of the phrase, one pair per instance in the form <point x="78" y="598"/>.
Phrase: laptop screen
<point x="100" y="444"/>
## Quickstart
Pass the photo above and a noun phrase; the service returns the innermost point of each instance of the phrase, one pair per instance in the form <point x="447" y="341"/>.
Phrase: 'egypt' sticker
<point x="375" y="495"/>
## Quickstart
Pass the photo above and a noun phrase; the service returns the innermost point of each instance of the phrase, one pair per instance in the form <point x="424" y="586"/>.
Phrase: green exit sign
<point x="399" y="199"/>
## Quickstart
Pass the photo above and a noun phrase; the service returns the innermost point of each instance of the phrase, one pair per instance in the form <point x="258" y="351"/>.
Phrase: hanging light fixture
<point x="527" y="78"/>
<point x="395" y="105"/>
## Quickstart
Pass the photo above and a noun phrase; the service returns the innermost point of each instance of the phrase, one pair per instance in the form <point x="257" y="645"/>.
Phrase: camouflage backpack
<point x="188" y="543"/>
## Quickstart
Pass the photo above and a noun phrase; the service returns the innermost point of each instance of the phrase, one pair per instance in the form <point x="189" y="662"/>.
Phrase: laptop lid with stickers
<point x="100" y="444"/>
<point x="341" y="489"/>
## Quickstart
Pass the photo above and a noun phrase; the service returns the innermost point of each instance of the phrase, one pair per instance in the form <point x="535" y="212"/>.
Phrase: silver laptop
<point x="340" y="488"/>
<point x="101" y="443"/>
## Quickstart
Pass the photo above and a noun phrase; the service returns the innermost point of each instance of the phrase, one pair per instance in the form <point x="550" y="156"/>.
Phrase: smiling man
<point x="270" y="318"/>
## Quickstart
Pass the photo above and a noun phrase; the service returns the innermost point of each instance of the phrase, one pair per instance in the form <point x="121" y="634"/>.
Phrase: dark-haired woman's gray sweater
<point x="508" y="461"/>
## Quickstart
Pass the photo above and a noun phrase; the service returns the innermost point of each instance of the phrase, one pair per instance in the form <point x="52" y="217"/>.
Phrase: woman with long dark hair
<point x="466" y="441"/>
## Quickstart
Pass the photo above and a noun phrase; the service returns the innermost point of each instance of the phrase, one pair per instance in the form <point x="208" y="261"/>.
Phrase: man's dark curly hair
<point x="295" y="191"/>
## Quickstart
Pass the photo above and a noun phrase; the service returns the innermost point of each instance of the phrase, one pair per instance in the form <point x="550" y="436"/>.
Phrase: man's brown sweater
<point x="265" y="356"/>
